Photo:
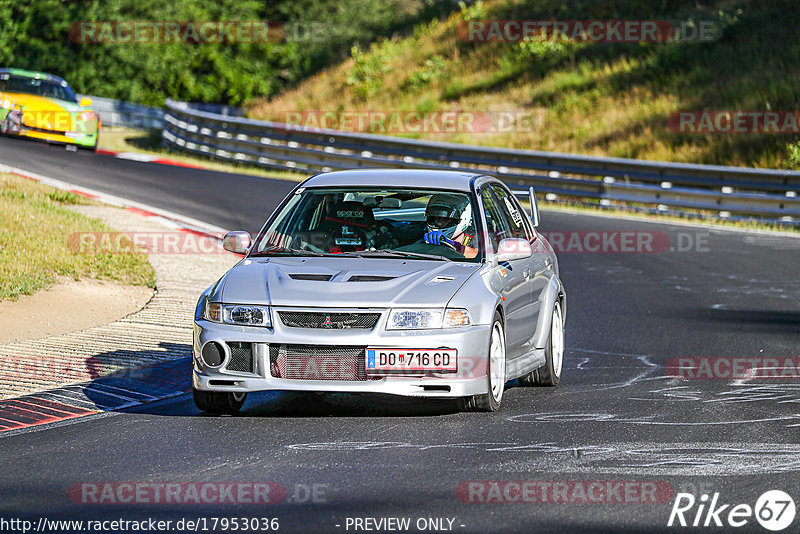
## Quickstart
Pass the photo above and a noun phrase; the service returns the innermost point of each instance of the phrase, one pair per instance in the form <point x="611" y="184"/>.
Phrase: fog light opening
<point x="213" y="354"/>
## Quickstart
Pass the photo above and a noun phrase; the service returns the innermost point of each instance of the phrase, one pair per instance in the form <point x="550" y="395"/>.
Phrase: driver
<point x="448" y="219"/>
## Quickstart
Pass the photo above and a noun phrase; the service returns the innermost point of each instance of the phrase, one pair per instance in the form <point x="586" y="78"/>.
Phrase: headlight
<point x="246" y="315"/>
<point x="87" y="116"/>
<point x="237" y="314"/>
<point x="419" y="319"/>
<point x="7" y="104"/>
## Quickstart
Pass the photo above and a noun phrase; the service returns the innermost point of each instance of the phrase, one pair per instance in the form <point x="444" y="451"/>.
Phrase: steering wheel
<point x="444" y="243"/>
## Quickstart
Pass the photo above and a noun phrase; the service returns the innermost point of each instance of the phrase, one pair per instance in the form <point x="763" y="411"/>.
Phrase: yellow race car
<point x="44" y="106"/>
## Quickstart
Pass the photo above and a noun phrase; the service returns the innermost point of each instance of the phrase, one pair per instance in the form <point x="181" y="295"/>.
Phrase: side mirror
<point x="85" y="102"/>
<point x="534" y="208"/>
<point x="237" y="242"/>
<point x="513" y="248"/>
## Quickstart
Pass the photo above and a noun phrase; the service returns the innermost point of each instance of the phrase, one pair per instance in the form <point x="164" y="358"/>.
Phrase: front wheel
<point x="495" y="373"/>
<point x="219" y="402"/>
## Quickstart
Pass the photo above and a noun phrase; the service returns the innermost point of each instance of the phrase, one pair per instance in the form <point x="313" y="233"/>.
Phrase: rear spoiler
<point x="531" y="194"/>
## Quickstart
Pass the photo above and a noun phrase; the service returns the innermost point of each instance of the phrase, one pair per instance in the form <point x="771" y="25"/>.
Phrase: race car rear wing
<point x="531" y="194"/>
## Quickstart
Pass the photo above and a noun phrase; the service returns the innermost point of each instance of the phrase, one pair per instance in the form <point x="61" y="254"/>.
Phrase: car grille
<point x="315" y="362"/>
<point x="42" y="130"/>
<point x="241" y="357"/>
<point x="333" y="321"/>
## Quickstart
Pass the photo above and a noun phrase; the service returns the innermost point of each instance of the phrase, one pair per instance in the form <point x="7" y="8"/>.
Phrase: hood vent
<point x="311" y="277"/>
<point x="370" y="278"/>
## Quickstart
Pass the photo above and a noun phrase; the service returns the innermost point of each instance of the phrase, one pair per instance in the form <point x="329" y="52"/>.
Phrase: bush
<point x="36" y="36"/>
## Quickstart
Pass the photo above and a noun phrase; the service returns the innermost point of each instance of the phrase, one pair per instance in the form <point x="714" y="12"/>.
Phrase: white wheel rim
<point x="557" y="340"/>
<point x="238" y="396"/>
<point x="497" y="362"/>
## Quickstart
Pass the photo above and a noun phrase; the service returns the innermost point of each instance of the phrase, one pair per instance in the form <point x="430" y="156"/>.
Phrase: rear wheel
<point x="550" y="373"/>
<point x="221" y="402"/>
<point x="495" y="373"/>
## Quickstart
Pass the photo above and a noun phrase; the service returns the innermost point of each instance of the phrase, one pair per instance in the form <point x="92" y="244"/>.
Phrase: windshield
<point x="38" y="87"/>
<point x="379" y="222"/>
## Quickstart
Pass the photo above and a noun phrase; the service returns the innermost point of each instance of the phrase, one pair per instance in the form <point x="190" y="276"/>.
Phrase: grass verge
<point x="34" y="242"/>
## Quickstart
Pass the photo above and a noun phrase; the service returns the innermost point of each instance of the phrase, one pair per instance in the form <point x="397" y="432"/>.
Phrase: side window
<point x="498" y="228"/>
<point x="513" y="213"/>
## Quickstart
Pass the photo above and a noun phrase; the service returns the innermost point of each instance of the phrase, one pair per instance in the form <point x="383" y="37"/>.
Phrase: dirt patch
<point x="69" y="306"/>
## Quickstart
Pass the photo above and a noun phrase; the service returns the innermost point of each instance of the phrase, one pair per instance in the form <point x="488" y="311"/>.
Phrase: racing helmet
<point x="450" y="214"/>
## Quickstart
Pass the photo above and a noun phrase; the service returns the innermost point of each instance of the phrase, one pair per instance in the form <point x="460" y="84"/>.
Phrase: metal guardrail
<point x="118" y="113"/>
<point x="728" y="191"/>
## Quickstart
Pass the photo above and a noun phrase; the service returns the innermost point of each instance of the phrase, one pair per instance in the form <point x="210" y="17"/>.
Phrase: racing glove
<point x="435" y="237"/>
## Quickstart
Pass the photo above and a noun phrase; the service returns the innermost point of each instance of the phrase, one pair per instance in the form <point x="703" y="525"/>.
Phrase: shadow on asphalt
<point x="291" y="404"/>
<point x="774" y="321"/>
<point x="140" y="390"/>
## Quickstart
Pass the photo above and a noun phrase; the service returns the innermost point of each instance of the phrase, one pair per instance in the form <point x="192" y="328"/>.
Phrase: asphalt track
<point x="618" y="415"/>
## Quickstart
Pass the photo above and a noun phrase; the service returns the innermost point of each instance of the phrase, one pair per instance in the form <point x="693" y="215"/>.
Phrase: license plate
<point x="394" y="360"/>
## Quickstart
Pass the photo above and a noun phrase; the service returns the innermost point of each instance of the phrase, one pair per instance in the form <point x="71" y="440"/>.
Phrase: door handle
<point x="526" y="273"/>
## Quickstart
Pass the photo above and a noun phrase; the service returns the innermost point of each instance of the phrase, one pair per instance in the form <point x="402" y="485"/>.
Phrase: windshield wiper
<point x="395" y="253"/>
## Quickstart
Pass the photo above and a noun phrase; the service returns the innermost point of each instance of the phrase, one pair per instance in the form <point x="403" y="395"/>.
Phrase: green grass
<point x="34" y="242"/>
<point x="604" y="99"/>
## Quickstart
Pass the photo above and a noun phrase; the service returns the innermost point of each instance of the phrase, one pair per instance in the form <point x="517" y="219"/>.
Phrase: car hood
<point x="293" y="282"/>
<point x="40" y="103"/>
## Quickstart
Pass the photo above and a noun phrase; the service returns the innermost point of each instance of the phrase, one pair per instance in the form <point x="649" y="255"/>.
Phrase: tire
<point x="219" y="402"/>
<point x="550" y="373"/>
<point x="495" y="373"/>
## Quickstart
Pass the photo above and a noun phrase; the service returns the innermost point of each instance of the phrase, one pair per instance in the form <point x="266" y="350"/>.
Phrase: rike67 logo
<point x="774" y="510"/>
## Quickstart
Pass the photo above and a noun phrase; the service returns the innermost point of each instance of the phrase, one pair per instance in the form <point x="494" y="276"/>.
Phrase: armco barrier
<point x="118" y="113"/>
<point x="728" y="191"/>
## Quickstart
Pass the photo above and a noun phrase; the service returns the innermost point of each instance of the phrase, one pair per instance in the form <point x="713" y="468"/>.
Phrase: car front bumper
<point x="79" y="132"/>
<point x="472" y="344"/>
<point x="87" y="139"/>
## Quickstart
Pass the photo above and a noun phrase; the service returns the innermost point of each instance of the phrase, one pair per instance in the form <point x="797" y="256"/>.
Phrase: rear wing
<point x="531" y="194"/>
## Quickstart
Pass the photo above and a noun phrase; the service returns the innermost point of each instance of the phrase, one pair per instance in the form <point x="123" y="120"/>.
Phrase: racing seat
<point x="350" y="225"/>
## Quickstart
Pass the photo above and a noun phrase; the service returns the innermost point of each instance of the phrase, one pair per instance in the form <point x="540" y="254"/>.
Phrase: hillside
<point x="602" y="98"/>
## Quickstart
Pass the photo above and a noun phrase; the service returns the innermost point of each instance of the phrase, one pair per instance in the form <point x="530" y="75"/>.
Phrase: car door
<point x="539" y="264"/>
<point x="512" y="275"/>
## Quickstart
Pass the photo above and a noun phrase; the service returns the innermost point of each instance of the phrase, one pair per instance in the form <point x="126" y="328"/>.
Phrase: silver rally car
<point x="407" y="282"/>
